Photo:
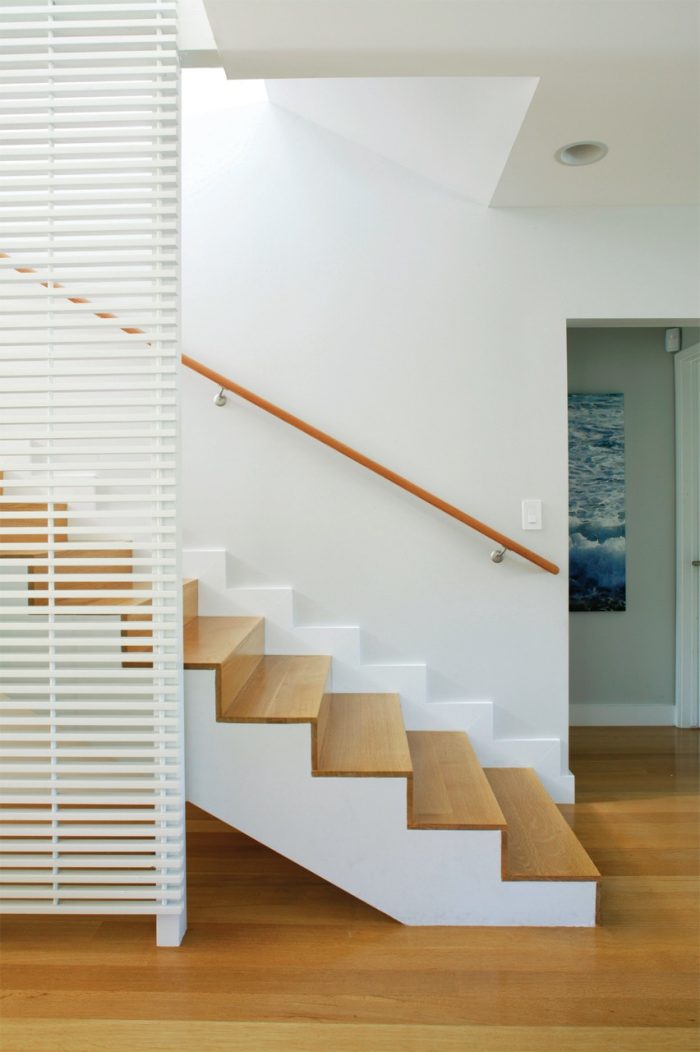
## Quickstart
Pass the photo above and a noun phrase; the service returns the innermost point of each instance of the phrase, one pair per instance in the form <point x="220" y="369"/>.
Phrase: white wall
<point x="622" y="663"/>
<point x="431" y="334"/>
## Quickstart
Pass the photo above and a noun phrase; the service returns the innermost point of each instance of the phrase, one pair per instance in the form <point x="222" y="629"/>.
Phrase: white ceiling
<point x="625" y="72"/>
<point x="457" y="131"/>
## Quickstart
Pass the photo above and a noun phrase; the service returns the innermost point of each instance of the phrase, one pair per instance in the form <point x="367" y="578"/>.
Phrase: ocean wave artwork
<point x="597" y="570"/>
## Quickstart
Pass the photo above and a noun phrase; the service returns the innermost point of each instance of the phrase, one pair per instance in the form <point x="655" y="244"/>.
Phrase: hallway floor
<point x="276" y="959"/>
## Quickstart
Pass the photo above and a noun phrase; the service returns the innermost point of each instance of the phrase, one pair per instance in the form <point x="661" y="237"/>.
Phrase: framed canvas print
<point x="597" y="567"/>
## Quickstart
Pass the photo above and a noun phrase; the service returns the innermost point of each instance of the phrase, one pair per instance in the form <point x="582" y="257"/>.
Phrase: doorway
<point x="628" y="661"/>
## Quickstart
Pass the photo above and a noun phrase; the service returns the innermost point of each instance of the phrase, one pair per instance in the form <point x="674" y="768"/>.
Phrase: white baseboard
<point x="621" y="714"/>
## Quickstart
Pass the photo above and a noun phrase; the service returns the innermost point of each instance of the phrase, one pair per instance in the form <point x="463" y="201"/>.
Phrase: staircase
<point x="408" y="821"/>
<point x="424" y="707"/>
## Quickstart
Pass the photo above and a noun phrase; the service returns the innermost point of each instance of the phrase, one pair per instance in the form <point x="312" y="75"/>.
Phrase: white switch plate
<point x="532" y="514"/>
<point x="672" y="340"/>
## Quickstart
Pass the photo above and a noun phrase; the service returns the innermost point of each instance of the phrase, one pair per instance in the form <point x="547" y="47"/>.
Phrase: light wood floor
<point x="275" y="959"/>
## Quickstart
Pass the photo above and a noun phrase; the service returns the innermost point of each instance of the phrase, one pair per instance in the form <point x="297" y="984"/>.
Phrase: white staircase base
<point x="352" y="831"/>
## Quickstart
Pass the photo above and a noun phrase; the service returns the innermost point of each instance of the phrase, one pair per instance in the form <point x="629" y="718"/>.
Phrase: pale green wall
<point x="690" y="336"/>
<point x="628" y="657"/>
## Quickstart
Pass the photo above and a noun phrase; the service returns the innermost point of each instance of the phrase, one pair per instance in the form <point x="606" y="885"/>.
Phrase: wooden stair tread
<point x="450" y="789"/>
<point x="232" y="646"/>
<point x="74" y="578"/>
<point x="209" y="641"/>
<point x="72" y="553"/>
<point x="11" y="516"/>
<point x="362" y="734"/>
<point x="281" y="690"/>
<point x="540" y="844"/>
<point x="128" y="600"/>
<point x="80" y="553"/>
<point x="32" y="505"/>
<point x="90" y="568"/>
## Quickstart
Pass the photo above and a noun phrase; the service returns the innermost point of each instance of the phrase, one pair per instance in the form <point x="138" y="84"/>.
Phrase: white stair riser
<point x="407" y="680"/>
<point x="276" y="605"/>
<point x="208" y="565"/>
<point x="342" y="642"/>
<point x="353" y="831"/>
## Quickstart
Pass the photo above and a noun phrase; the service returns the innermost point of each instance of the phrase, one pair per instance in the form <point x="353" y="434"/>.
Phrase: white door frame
<point x="687" y="382"/>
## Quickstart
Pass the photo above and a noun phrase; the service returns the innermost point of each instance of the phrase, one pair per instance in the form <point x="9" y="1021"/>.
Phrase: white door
<point x="687" y="368"/>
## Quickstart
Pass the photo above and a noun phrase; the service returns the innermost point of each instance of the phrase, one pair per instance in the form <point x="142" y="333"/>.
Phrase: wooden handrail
<point x="328" y="440"/>
<point x="130" y="329"/>
<point x="372" y="465"/>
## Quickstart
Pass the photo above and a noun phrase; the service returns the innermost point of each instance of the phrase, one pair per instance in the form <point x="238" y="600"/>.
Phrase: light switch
<point x="532" y="514"/>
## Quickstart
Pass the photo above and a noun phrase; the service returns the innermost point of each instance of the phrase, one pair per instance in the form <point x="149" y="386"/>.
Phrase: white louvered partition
<point x="90" y="653"/>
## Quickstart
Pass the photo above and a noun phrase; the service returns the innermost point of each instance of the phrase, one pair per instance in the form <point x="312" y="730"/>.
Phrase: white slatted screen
<point x="90" y="653"/>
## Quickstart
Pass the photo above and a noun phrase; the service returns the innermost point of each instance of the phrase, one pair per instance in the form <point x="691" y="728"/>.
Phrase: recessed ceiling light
<point x="577" y="153"/>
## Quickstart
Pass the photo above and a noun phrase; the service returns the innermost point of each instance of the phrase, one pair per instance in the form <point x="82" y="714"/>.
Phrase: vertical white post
<point x="171" y="928"/>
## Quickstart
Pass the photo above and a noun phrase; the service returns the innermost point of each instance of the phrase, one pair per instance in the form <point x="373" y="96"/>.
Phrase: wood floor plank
<point x="275" y="956"/>
<point x="363" y="734"/>
<point x="281" y="690"/>
<point x="450" y="789"/>
<point x="540" y="844"/>
<point x="163" y="1036"/>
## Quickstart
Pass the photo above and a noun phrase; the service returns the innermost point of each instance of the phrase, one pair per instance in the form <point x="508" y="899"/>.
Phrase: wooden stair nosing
<point x="450" y="789"/>
<point x="232" y="646"/>
<point x="361" y="736"/>
<point x="208" y="641"/>
<point x="128" y="600"/>
<point x="281" y="689"/>
<point x="538" y="844"/>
